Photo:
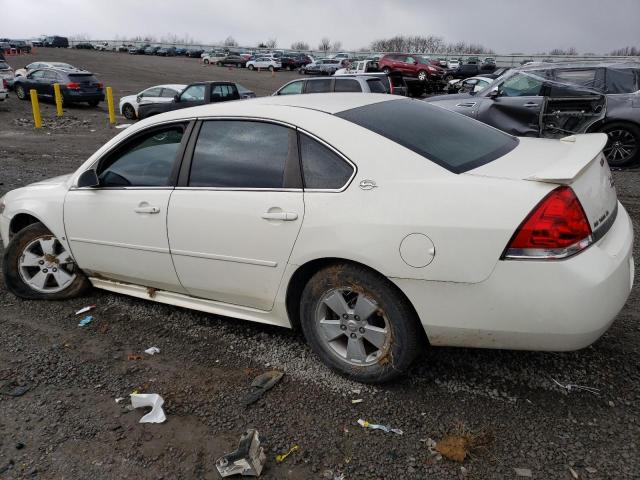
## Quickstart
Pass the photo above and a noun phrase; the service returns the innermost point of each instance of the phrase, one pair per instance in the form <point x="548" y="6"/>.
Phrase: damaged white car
<point x="377" y="224"/>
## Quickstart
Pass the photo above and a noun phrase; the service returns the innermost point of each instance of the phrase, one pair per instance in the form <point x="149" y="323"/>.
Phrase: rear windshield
<point x="451" y="140"/>
<point x="83" y="78"/>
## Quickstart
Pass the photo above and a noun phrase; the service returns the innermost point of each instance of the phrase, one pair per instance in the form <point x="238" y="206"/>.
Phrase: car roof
<point x="578" y="65"/>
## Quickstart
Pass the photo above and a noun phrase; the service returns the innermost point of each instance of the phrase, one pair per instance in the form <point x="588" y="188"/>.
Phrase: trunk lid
<point x="576" y="161"/>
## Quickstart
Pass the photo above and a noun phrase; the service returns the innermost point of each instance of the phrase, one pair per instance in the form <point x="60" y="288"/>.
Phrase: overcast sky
<point x="503" y="25"/>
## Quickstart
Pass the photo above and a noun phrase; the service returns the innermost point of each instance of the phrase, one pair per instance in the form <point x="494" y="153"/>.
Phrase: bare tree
<point x="230" y="42"/>
<point x="299" y="46"/>
<point x="272" y="43"/>
<point x="561" y="51"/>
<point x="325" y="44"/>
<point x="337" y="45"/>
<point x="626" y="52"/>
<point x="428" y="44"/>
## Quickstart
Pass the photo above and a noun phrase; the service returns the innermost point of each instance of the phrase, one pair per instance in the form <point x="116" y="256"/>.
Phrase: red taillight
<point x="5" y="84"/>
<point x="556" y="228"/>
<point x="73" y="86"/>
<point x="99" y="84"/>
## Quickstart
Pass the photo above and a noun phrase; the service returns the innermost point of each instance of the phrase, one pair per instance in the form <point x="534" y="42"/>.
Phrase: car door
<point x="118" y="229"/>
<point x="192" y="95"/>
<point x="34" y="81"/>
<point x="236" y="213"/>
<point x="46" y="85"/>
<point x="514" y="105"/>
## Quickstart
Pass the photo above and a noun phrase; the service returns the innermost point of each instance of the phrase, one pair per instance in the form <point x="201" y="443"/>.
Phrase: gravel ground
<point x="67" y="425"/>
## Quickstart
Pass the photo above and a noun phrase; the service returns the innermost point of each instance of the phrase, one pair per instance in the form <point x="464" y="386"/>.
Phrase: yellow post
<point x="112" y="111"/>
<point x="58" y="95"/>
<point x="35" y="106"/>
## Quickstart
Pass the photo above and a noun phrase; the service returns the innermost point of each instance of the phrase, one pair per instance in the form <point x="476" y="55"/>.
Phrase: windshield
<point x="453" y="141"/>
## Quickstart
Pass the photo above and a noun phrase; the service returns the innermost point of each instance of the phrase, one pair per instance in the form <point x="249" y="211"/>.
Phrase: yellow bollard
<point x="112" y="111"/>
<point x="35" y="106"/>
<point x="58" y="96"/>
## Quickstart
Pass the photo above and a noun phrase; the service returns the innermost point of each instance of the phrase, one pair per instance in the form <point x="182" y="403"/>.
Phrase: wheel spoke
<point x="355" y="350"/>
<point x="376" y="335"/>
<point x="47" y="246"/>
<point x="364" y="307"/>
<point x="337" y="303"/>
<point x="30" y="259"/>
<point x="39" y="279"/>
<point x="331" y="329"/>
<point x="62" y="277"/>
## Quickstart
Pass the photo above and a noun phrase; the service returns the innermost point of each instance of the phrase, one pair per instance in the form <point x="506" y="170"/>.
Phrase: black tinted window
<point x="321" y="167"/>
<point x="318" y="86"/>
<point x="376" y="86"/>
<point x="241" y="154"/>
<point x="145" y="161"/>
<point x="622" y="80"/>
<point x="454" y="141"/>
<point x="345" y="85"/>
<point x="83" y="78"/>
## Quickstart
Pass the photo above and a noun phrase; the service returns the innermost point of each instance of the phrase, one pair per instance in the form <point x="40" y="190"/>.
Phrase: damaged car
<point x="377" y="225"/>
<point x="556" y="100"/>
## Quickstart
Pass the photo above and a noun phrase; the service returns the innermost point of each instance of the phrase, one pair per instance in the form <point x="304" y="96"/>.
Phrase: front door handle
<point x="286" y="216"/>
<point x="146" y="208"/>
<point x="530" y="104"/>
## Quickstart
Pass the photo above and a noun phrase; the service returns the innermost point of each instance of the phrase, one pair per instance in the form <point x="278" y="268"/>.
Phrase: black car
<point x="232" y="59"/>
<point x="76" y="86"/>
<point x="138" y="50"/>
<point x="83" y="46"/>
<point x="557" y="100"/>
<point x="294" y="62"/>
<point x="195" y="53"/>
<point x="469" y="70"/>
<point x="56" y="42"/>
<point x="152" y="50"/>
<point x="167" y="52"/>
<point x="20" y="45"/>
<point x="181" y="51"/>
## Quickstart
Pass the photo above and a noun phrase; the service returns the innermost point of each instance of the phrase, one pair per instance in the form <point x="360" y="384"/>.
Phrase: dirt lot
<point x="68" y="425"/>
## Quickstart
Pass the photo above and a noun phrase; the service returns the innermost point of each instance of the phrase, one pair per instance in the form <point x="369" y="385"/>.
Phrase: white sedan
<point x="158" y="94"/>
<point x="264" y="63"/>
<point x="377" y="224"/>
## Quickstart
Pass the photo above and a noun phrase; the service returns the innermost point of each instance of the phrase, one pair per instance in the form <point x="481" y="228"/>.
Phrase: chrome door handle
<point x="286" y="216"/>
<point x="147" y="209"/>
<point x="530" y="104"/>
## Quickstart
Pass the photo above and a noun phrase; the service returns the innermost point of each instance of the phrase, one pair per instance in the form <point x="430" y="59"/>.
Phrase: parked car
<point x="498" y="72"/>
<point x="166" y="52"/>
<point x="264" y="63"/>
<point x="83" y="46"/>
<point x="362" y="84"/>
<point x="38" y="65"/>
<point x="4" y="89"/>
<point x="138" y="50"/>
<point x="393" y="83"/>
<point x="102" y="46"/>
<point x="554" y="100"/>
<point x="36" y="42"/>
<point x="56" y="42"/>
<point x="181" y="51"/>
<point x="245" y="92"/>
<point x="453" y="64"/>
<point x="5" y="48"/>
<point x="322" y="66"/>
<point x="76" y="86"/>
<point x="470" y="226"/>
<point x="232" y="59"/>
<point x="157" y="94"/>
<point x="20" y="45"/>
<point x="411" y="66"/>
<point x="195" y="53"/>
<point x="473" y="84"/>
<point x="295" y="62"/>
<point x="6" y="73"/>
<point x="212" y="57"/>
<point x="152" y="50"/>
<point x="195" y="94"/>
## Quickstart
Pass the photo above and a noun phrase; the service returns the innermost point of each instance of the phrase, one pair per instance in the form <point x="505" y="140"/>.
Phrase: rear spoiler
<point x="585" y="149"/>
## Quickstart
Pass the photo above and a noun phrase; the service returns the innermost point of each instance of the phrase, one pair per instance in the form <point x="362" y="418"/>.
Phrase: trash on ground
<point x="384" y="428"/>
<point x="133" y="356"/>
<point x="357" y="400"/>
<point x="85" y="321"/>
<point x="434" y="455"/>
<point x="458" y="446"/>
<point x="12" y="389"/>
<point x="247" y="460"/>
<point x="123" y="125"/>
<point x="591" y="470"/>
<point x="152" y="350"/>
<point x="574" y="474"/>
<point x="571" y="386"/>
<point x="119" y="399"/>
<point x="153" y="400"/>
<point x="85" y="309"/>
<point x="523" y="472"/>
<point x="282" y="457"/>
<point x="261" y="384"/>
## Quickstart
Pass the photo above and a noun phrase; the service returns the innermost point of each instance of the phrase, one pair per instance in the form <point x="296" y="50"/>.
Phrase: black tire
<point x="219" y="64"/>
<point x="404" y="332"/>
<point x="271" y="69"/>
<point x="128" y="111"/>
<point x="206" y="61"/>
<point x="21" y="93"/>
<point x="94" y="103"/>
<point x="386" y="70"/>
<point x="15" y="282"/>
<point x="251" y="67"/>
<point x="623" y="146"/>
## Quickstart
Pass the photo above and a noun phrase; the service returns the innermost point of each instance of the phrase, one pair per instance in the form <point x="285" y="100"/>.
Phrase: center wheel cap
<point x="352" y="325"/>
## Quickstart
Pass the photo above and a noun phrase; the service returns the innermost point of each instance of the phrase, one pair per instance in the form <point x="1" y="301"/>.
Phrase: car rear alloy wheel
<point x="358" y="323"/>
<point x="20" y="92"/>
<point x="623" y="146"/>
<point x="129" y="112"/>
<point x="37" y="265"/>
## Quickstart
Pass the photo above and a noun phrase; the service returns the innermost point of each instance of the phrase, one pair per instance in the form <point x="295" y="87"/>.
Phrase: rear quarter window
<point x="451" y="140"/>
<point x="376" y="86"/>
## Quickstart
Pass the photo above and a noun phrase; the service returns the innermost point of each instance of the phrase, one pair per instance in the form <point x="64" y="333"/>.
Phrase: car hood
<point x="54" y="181"/>
<point x="129" y="98"/>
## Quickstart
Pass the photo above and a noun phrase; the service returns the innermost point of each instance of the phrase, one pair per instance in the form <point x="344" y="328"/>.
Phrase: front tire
<point x="271" y="69"/>
<point x="129" y="112"/>
<point x="422" y="75"/>
<point x="623" y="147"/>
<point x="251" y="67"/>
<point x="37" y="266"/>
<point x="206" y="61"/>
<point x="359" y="324"/>
<point x="219" y="64"/>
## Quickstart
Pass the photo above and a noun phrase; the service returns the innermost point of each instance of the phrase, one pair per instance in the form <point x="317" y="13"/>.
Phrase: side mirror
<point x="495" y="93"/>
<point x="88" y="178"/>
<point x="176" y="97"/>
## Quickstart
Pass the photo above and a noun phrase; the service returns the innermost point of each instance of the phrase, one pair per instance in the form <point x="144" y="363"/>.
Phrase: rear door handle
<point x="530" y="104"/>
<point x="144" y="208"/>
<point x="286" y="216"/>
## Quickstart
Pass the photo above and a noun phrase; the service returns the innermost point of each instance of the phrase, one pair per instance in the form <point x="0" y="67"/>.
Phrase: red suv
<point x="411" y="66"/>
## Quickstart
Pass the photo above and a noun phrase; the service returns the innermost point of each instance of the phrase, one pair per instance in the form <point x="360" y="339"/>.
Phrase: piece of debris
<point x="152" y="350"/>
<point x="12" y="389"/>
<point x="261" y="384"/>
<point x="247" y="460"/>
<point x="85" y="309"/>
<point x="591" y="470"/>
<point x="571" y="386"/>
<point x="459" y="445"/>
<point x="282" y="457"/>
<point x="523" y="472"/>
<point x="19" y="446"/>
<point x="574" y="474"/>
<point x="119" y="399"/>
<point x="85" y="321"/>
<point x="357" y="400"/>
<point x="384" y="428"/>
<point x="434" y="455"/>
<point x="153" y="400"/>
<point x="133" y="356"/>
<point x="123" y="125"/>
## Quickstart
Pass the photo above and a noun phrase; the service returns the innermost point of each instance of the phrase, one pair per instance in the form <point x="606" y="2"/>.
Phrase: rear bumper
<point x="75" y="96"/>
<point x="532" y="305"/>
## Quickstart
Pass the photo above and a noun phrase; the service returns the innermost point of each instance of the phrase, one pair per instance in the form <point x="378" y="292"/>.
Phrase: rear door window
<point x="318" y="86"/>
<point x="347" y="85"/>
<point x="293" y="88"/>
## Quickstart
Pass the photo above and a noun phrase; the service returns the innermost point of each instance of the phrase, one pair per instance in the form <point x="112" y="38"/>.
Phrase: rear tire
<point x="20" y="92"/>
<point x="357" y="322"/>
<point x="219" y="64"/>
<point x="386" y="70"/>
<point x="23" y="273"/>
<point x="94" y="103"/>
<point x="623" y="146"/>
